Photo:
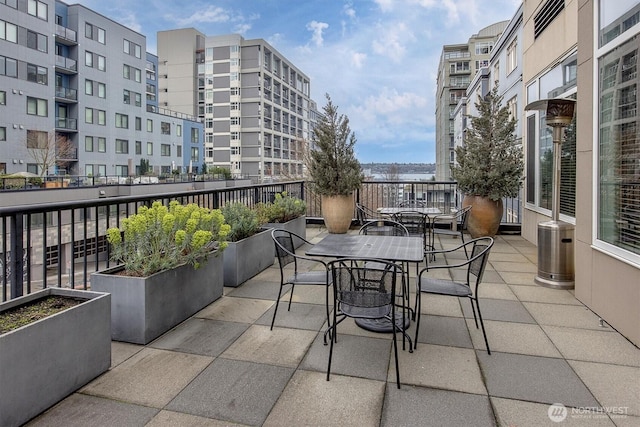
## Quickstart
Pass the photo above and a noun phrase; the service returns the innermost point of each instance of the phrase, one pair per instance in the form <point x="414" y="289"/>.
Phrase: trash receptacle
<point x="555" y="255"/>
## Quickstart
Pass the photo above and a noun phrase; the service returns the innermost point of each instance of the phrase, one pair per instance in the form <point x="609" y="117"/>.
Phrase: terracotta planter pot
<point x="337" y="212"/>
<point x="484" y="217"/>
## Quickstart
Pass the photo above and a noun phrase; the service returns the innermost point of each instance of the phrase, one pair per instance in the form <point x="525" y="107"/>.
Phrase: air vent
<point x="547" y="14"/>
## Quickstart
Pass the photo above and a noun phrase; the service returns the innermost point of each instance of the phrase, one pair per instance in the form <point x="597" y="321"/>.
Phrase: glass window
<point x="616" y="18"/>
<point x="619" y="147"/>
<point x="138" y="147"/>
<point x="102" y="90"/>
<point x="88" y="87"/>
<point x="102" y="145"/>
<point x="165" y="128"/>
<point x="122" y="121"/>
<point x="194" y="135"/>
<point x="102" y="36"/>
<point x="37" y="107"/>
<point x="149" y="125"/>
<point x="165" y="150"/>
<point x="122" y="146"/>
<point x="3" y="97"/>
<point x="149" y="148"/>
<point x="88" y="143"/>
<point x="88" y="30"/>
<point x="88" y="115"/>
<point x="179" y="150"/>
<point x="195" y="154"/>
<point x="11" y="33"/>
<point x="88" y="59"/>
<point x="102" y="117"/>
<point x="138" y="99"/>
<point x="178" y="130"/>
<point x="3" y="133"/>
<point x="126" y="96"/>
<point x="102" y="63"/>
<point x="138" y="123"/>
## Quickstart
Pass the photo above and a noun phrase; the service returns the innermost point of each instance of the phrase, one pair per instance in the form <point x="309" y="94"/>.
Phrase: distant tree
<point x="392" y="173"/>
<point x="144" y="167"/>
<point x="204" y="168"/>
<point x="49" y="149"/>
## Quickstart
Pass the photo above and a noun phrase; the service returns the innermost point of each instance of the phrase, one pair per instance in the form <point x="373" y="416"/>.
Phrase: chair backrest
<point x="478" y="259"/>
<point x="285" y="249"/>
<point x="384" y="227"/>
<point x="361" y="214"/>
<point x="411" y="204"/>
<point x="414" y="222"/>
<point x="462" y="216"/>
<point x="364" y="288"/>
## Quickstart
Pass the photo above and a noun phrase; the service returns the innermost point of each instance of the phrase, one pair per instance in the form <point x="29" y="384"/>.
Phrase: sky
<point x="377" y="59"/>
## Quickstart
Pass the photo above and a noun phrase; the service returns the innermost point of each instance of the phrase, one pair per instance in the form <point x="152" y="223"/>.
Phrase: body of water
<point x="406" y="176"/>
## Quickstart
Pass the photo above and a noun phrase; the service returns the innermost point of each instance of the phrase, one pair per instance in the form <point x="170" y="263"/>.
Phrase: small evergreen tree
<point x="332" y="163"/>
<point x="490" y="163"/>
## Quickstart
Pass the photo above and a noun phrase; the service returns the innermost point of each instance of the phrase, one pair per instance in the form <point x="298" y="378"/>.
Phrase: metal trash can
<point x="555" y="255"/>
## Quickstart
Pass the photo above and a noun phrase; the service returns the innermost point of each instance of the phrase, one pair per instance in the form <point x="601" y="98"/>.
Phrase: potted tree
<point x="489" y="165"/>
<point x="333" y="168"/>
<point x="169" y="268"/>
<point x="250" y="248"/>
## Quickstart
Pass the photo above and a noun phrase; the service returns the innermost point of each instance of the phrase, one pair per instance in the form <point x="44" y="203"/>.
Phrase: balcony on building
<point x="66" y="94"/>
<point x="66" y="65"/>
<point x="66" y="36"/>
<point x="66" y="124"/>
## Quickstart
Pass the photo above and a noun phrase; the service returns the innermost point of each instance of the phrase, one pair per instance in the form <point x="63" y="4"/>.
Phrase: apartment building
<point x="608" y="158"/>
<point x="71" y="83"/>
<point x="458" y="64"/>
<point x="254" y="102"/>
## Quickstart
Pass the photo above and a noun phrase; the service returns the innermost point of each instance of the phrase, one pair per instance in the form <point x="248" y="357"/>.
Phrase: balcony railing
<point x="66" y="34"/>
<point x="65" y="123"/>
<point x="66" y="63"/>
<point x="66" y="93"/>
<point x="62" y="243"/>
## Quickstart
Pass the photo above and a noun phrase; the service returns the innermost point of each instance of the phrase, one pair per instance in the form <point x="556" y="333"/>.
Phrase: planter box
<point x="298" y="226"/>
<point x="43" y="362"/>
<point x="248" y="257"/>
<point x="143" y="308"/>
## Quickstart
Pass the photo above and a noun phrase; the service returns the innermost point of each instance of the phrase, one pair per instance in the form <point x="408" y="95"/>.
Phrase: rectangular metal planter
<point x="297" y="225"/>
<point x="248" y="257"/>
<point x="43" y="362"/>
<point x="143" y="308"/>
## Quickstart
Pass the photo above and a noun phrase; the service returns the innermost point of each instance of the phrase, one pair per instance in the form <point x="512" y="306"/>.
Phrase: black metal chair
<point x="364" y="214"/>
<point x="286" y="254"/>
<point x="473" y="267"/>
<point x="363" y="293"/>
<point x="416" y="223"/>
<point x="411" y="204"/>
<point x="459" y="219"/>
<point x="387" y="227"/>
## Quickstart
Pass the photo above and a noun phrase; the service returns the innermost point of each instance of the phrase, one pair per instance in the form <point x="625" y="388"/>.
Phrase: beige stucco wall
<point x="608" y="286"/>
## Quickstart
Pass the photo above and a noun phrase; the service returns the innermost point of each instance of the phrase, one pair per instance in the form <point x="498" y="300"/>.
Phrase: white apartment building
<point x="254" y="102"/>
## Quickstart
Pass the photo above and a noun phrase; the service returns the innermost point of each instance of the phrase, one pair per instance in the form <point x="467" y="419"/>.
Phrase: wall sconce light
<point x="14" y="91"/>
<point x="21" y="161"/>
<point x="15" y="161"/>
<point x="21" y="127"/>
<point x="20" y="92"/>
<point x="15" y="126"/>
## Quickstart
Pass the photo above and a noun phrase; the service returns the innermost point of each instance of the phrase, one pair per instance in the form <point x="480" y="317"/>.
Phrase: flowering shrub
<point x="160" y="238"/>
<point x="243" y="220"/>
<point x="284" y="208"/>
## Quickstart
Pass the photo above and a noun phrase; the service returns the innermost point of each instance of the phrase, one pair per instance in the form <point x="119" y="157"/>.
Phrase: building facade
<point x="458" y="64"/>
<point x="254" y="102"/>
<point x="72" y="90"/>
<point x="608" y="162"/>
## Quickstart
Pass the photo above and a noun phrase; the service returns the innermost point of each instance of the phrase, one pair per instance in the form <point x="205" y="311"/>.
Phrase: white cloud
<point x="392" y="40"/>
<point x="242" y="28"/>
<point x="130" y="20"/>
<point x="357" y="59"/>
<point x="211" y="14"/>
<point x="317" y="29"/>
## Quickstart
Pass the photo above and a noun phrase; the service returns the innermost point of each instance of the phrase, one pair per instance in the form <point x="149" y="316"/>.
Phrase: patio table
<point x="392" y="248"/>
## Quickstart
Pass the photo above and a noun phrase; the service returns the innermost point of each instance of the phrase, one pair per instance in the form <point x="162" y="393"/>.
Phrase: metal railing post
<point x="17" y="250"/>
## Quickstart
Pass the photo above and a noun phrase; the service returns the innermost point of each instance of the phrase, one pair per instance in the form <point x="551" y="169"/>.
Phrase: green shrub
<point x="284" y="208"/>
<point x="243" y="220"/>
<point x="160" y="238"/>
